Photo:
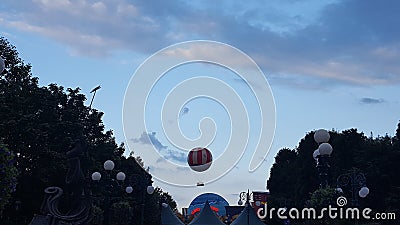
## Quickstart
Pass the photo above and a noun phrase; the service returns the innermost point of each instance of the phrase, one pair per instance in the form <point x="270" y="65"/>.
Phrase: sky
<point x="318" y="64"/>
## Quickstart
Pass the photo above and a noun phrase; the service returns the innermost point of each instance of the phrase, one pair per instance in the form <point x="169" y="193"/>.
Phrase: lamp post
<point x="110" y="183"/>
<point x="246" y="197"/>
<point x="17" y="206"/>
<point x="322" y="155"/>
<point x="141" y="181"/>
<point x="355" y="182"/>
<point x="94" y="90"/>
<point x="243" y="196"/>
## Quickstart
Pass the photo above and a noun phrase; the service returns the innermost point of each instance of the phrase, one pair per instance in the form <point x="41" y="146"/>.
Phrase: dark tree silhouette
<point x="293" y="177"/>
<point x="40" y="124"/>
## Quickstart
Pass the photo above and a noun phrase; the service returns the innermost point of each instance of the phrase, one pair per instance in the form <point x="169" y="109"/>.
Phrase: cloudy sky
<point x="330" y="64"/>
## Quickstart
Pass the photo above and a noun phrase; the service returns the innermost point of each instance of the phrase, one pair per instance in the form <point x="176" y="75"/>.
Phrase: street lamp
<point x="141" y="182"/>
<point x="149" y="190"/>
<point x="243" y="196"/>
<point x="94" y="90"/>
<point x="246" y="197"/>
<point x="322" y="155"/>
<point x="17" y="206"/>
<point x="355" y="182"/>
<point x="110" y="183"/>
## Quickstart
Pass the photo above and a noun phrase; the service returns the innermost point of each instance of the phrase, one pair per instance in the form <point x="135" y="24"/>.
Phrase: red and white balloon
<point x="199" y="159"/>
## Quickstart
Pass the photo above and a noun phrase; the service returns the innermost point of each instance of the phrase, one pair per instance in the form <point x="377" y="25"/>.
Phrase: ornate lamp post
<point x="111" y="183"/>
<point x="246" y="197"/>
<point x="243" y="196"/>
<point x="141" y="181"/>
<point x="322" y="155"/>
<point x="355" y="182"/>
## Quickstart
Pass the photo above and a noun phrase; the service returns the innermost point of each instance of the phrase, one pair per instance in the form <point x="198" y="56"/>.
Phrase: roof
<point x="39" y="220"/>
<point x="248" y="212"/>
<point x="168" y="217"/>
<point x="206" y="217"/>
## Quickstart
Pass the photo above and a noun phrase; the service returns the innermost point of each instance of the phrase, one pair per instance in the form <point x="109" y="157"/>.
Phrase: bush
<point x="8" y="174"/>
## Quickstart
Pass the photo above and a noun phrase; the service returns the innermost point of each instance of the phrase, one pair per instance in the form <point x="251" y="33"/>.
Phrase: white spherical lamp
<point x="325" y="149"/>
<point x="108" y="165"/>
<point x="129" y="189"/>
<point x="96" y="176"/>
<point x="364" y="191"/>
<point x="321" y="136"/>
<point x="150" y="190"/>
<point x="121" y="176"/>
<point x="315" y="154"/>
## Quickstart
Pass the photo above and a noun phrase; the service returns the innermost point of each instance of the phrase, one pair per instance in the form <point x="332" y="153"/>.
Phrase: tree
<point x="398" y="131"/>
<point x="281" y="183"/>
<point x="8" y="174"/>
<point x="293" y="176"/>
<point x="323" y="197"/>
<point x="39" y="124"/>
<point x="153" y="206"/>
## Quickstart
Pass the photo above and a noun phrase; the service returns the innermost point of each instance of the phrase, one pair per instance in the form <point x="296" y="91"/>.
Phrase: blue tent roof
<point x="206" y="217"/>
<point x="248" y="217"/>
<point x="168" y="217"/>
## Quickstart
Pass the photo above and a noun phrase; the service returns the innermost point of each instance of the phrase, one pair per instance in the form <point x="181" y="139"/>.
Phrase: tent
<point x="206" y="217"/>
<point x="168" y="217"/>
<point x="247" y="217"/>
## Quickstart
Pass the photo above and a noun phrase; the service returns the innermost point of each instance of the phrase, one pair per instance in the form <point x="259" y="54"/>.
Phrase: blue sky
<point x="330" y="64"/>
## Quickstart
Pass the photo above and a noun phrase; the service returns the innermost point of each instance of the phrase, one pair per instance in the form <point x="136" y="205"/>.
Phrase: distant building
<point x="260" y="198"/>
<point x="233" y="211"/>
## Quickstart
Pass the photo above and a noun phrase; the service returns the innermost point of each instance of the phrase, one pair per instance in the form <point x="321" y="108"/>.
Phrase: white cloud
<point x="53" y="4"/>
<point x="323" y="45"/>
<point x="99" y="7"/>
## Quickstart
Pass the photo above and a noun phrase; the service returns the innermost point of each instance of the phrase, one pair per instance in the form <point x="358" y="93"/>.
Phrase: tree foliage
<point x="8" y="174"/>
<point x="294" y="179"/>
<point x="322" y="197"/>
<point x="39" y="124"/>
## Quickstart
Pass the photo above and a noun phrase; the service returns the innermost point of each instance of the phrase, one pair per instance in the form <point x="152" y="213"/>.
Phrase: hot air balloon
<point x="199" y="159"/>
